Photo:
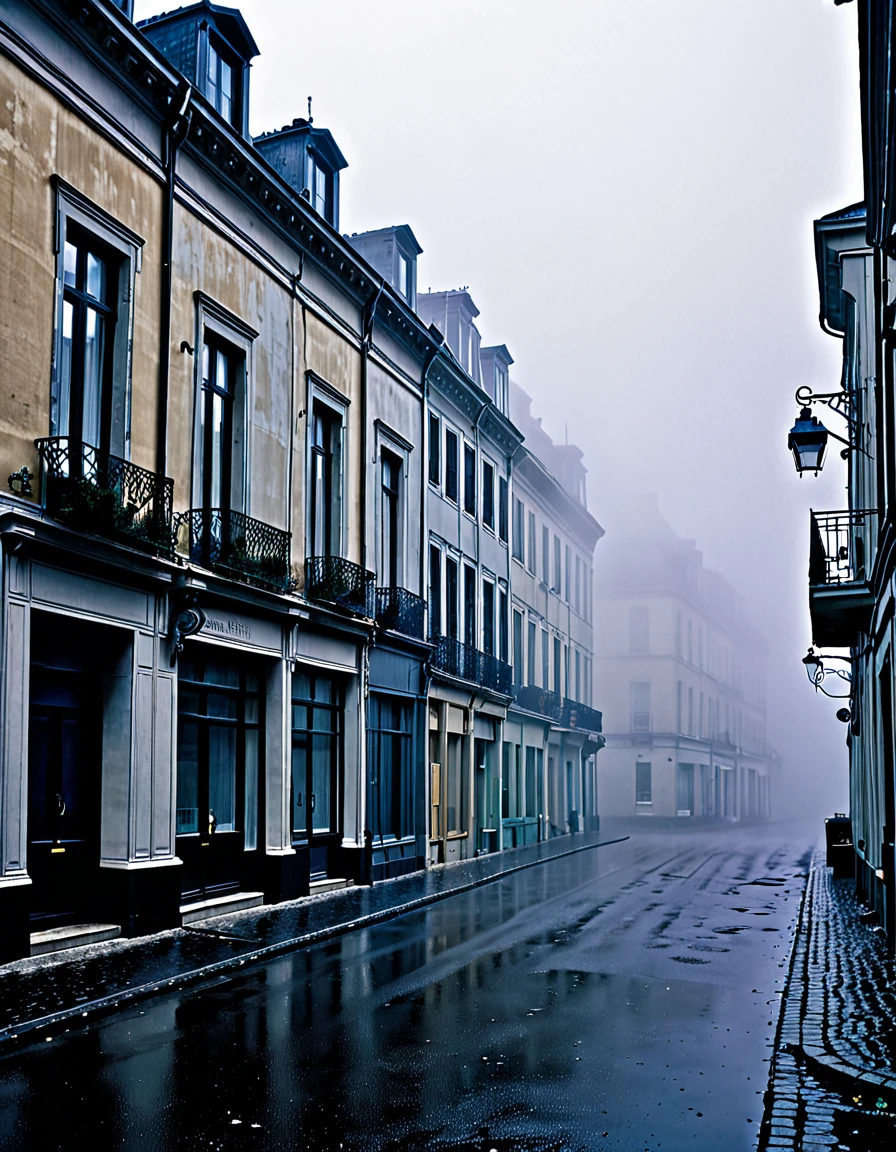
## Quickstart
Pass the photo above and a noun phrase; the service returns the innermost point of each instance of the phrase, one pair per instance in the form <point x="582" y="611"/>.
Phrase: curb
<point x="106" y="1005"/>
<point x="803" y="1036"/>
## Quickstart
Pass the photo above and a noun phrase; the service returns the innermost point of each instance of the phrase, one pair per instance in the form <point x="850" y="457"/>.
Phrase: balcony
<point x="398" y="610"/>
<point x="841" y="548"/>
<point x="468" y="663"/>
<point x="236" y="546"/>
<point x="93" y="491"/>
<point x="539" y="700"/>
<point x="336" y="581"/>
<point x="581" y="717"/>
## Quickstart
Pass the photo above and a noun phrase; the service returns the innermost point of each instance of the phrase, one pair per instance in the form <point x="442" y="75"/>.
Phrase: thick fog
<point x="628" y="189"/>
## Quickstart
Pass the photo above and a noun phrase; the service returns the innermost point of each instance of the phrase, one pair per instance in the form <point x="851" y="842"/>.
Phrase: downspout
<point x="366" y="336"/>
<point x="175" y="127"/>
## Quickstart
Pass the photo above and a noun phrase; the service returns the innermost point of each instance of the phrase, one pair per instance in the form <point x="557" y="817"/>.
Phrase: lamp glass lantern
<point x="808" y="440"/>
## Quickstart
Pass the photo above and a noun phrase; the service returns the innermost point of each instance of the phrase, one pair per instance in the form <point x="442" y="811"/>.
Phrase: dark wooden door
<point x="64" y="775"/>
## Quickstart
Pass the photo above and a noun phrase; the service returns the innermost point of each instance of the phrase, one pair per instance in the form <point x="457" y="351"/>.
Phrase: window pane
<point x="187" y="777"/>
<point x="251" y="791"/>
<point x="299" y="781"/>
<point x="225" y="97"/>
<point x="70" y="263"/>
<point x="321" y="761"/>
<point x="93" y="378"/>
<point x="63" y="416"/>
<point x="96" y="277"/>
<point x="221" y="705"/>
<point x="222" y="778"/>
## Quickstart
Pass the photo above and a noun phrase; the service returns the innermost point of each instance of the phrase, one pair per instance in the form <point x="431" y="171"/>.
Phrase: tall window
<point x="519" y="529"/>
<point x="390" y="524"/>
<point x="435" y="445"/>
<point x="566" y="588"/>
<point x="558" y="564"/>
<point x="469" y="606"/>
<point x="451" y="465"/>
<point x="578" y="590"/>
<point x="578" y="662"/>
<point x="488" y="617"/>
<point x="638" y="630"/>
<point x="220" y="365"/>
<point x="530" y="652"/>
<point x="469" y="480"/>
<point x="530" y="561"/>
<point x="546" y="555"/>
<point x="643" y="783"/>
<point x="517" y="648"/>
<point x="219" y="85"/>
<point x="503" y="638"/>
<point x="326" y="481"/>
<point x="488" y="494"/>
<point x="558" y="667"/>
<point x="403" y="278"/>
<point x="639" y="698"/>
<point x="545" y="660"/>
<point x="502" y="509"/>
<point x="435" y="591"/>
<point x="84" y="392"/>
<point x="451" y="597"/>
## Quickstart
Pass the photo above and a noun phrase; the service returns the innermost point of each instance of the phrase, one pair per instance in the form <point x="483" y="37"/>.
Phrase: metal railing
<point x="236" y="545"/>
<point x="540" y="700"/>
<point x="581" y="716"/>
<point x="401" y="611"/>
<point x="468" y="663"/>
<point x="338" y="581"/>
<point x="840" y="546"/>
<point x="94" y="491"/>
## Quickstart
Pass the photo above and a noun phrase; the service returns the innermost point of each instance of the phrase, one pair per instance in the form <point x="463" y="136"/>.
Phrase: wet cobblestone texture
<point x="833" y="1077"/>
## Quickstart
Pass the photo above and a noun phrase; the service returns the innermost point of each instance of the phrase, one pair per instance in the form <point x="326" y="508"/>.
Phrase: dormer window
<point x="318" y="180"/>
<point x="219" y="81"/>
<point x="403" y="283"/>
<point x="501" y="387"/>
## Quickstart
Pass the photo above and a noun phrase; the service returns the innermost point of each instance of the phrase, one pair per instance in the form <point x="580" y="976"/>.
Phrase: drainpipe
<point x="175" y="127"/>
<point x="366" y="337"/>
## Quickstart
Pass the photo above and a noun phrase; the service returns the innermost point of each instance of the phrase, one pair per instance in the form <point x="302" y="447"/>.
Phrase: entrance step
<point x="329" y="884"/>
<point x="220" y="906"/>
<point x="72" y="936"/>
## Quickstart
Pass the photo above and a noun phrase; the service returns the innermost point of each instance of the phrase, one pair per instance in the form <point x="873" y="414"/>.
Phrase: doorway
<point x="316" y="758"/>
<point x="218" y="771"/>
<point x="64" y="771"/>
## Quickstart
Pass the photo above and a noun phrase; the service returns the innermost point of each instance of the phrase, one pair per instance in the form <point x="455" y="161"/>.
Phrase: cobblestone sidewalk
<point x="833" y="1078"/>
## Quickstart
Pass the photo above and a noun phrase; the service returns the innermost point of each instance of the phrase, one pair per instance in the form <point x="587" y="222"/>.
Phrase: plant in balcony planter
<point x="87" y="507"/>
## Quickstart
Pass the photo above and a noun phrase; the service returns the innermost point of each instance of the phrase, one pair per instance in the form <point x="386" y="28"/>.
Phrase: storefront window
<point x="390" y="780"/>
<point x="217" y="746"/>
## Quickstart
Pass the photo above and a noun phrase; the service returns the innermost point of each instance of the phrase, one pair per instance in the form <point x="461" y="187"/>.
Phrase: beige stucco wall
<point x="39" y="137"/>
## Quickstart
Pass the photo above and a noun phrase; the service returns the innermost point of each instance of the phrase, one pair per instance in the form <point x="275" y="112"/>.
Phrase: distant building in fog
<point x="680" y="673"/>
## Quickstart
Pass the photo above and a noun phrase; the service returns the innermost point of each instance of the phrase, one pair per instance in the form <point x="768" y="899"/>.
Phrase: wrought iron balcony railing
<point x="338" y="581"/>
<point x="468" y="663"/>
<point x="539" y="700"/>
<point x="94" y="491"/>
<point x="236" y="545"/>
<point x="581" y="716"/>
<point x="840" y="547"/>
<point x="401" y="611"/>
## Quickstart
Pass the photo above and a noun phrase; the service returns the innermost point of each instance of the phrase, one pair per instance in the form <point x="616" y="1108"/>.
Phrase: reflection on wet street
<point x="620" y="998"/>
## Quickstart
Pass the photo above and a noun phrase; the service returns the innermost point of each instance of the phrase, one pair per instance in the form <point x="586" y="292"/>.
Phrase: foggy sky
<point x="628" y="189"/>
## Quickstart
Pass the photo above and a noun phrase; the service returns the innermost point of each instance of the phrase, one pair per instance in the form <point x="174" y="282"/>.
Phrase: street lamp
<point x="817" y="673"/>
<point x="807" y="441"/>
<point x="808" y="438"/>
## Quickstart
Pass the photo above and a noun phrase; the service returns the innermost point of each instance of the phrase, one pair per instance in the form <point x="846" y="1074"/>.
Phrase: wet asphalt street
<point x="621" y="998"/>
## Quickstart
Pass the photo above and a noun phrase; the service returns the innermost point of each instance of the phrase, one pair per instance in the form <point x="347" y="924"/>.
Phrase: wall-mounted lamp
<point x="818" y="673"/>
<point x="20" y="482"/>
<point x="808" y="438"/>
